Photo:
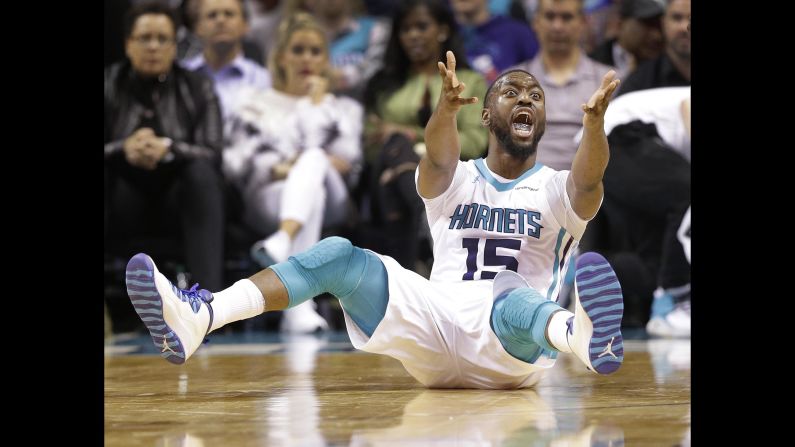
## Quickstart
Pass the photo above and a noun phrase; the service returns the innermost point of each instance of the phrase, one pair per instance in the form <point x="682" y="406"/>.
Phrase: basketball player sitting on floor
<point x="503" y="228"/>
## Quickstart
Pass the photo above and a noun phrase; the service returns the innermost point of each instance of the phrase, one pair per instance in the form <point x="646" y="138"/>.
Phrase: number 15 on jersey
<point x="477" y="262"/>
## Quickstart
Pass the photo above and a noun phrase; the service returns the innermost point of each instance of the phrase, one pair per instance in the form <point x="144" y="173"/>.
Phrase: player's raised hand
<point x="452" y="88"/>
<point x="597" y="106"/>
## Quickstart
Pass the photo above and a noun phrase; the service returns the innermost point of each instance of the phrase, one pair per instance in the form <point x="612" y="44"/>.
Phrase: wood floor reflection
<point x="301" y="397"/>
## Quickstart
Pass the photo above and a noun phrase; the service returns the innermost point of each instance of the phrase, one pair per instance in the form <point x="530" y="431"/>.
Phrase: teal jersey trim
<point x="557" y="263"/>
<point x="499" y="186"/>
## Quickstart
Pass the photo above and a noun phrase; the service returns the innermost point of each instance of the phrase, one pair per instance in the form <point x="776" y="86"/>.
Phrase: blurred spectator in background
<point x="672" y="67"/>
<point x="567" y="75"/>
<point x="646" y="203"/>
<point x="493" y="42"/>
<point x="294" y="151"/>
<point x="600" y="19"/>
<point x="264" y="23"/>
<point x="399" y="101"/>
<point x="190" y="45"/>
<point x="357" y="43"/>
<point x="639" y="36"/>
<point x="221" y="25"/>
<point x="162" y="146"/>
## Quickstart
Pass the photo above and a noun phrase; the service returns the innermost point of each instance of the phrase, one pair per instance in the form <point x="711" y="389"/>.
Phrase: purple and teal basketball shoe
<point x="177" y="319"/>
<point x="595" y="334"/>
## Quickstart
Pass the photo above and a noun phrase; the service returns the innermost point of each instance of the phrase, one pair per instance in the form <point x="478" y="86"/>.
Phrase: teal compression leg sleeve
<point x="356" y="277"/>
<point x="519" y="318"/>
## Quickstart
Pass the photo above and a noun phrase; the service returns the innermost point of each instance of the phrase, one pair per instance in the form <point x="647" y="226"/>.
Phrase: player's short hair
<point x="490" y="93"/>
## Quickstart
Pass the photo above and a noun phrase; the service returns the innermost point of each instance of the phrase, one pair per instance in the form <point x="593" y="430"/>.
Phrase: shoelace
<point x="195" y="299"/>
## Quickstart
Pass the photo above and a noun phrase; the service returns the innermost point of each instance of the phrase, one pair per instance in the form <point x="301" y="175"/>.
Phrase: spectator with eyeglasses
<point x="163" y="146"/>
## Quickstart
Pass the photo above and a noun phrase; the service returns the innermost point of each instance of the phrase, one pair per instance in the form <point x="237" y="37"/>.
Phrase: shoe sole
<point x="599" y="295"/>
<point x="141" y="287"/>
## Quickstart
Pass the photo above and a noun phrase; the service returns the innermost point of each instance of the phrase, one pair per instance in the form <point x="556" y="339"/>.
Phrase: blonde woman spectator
<point x="294" y="149"/>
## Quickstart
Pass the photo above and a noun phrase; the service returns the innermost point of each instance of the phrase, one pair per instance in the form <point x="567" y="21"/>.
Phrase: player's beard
<point x="519" y="151"/>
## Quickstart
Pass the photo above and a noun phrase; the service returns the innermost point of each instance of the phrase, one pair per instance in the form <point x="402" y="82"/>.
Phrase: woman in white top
<point x="293" y="150"/>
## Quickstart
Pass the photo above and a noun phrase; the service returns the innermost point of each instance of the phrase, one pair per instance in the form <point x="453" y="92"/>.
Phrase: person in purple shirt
<point x="493" y="43"/>
<point x="222" y="24"/>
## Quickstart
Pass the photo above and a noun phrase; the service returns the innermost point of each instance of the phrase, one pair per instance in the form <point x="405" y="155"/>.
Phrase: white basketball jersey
<point x="483" y="224"/>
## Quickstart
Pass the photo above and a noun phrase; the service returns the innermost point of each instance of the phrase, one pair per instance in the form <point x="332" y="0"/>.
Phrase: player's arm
<point x="437" y="166"/>
<point x="584" y="185"/>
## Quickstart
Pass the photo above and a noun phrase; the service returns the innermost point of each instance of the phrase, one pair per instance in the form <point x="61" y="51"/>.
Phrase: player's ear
<point x="485" y="117"/>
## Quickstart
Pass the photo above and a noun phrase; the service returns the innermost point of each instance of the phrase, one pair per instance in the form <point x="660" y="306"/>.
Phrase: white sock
<point x="557" y="329"/>
<point x="239" y="301"/>
<point x="278" y="245"/>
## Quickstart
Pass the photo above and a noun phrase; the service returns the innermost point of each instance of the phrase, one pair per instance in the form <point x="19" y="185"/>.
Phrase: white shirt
<point x="271" y="127"/>
<point x="660" y="106"/>
<point x="232" y="80"/>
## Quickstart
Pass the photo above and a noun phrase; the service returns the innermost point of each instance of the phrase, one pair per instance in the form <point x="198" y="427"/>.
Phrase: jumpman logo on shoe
<point x="608" y="349"/>
<point x="570" y="331"/>
<point x="166" y="346"/>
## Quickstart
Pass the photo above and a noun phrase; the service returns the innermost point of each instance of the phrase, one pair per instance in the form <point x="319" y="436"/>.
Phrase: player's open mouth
<point x="522" y="123"/>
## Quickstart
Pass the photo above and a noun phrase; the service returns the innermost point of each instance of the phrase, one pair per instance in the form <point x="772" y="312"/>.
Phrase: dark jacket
<point x="604" y="53"/>
<point x="182" y="106"/>
<point x="659" y="72"/>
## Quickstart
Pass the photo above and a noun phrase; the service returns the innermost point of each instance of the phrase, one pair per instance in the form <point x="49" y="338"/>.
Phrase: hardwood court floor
<point x="299" y="392"/>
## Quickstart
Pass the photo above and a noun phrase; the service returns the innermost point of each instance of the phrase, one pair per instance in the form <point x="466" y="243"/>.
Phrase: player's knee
<point x="518" y="307"/>
<point x="336" y="266"/>
<point x="323" y="268"/>
<point x="331" y="265"/>
<point x="328" y="251"/>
